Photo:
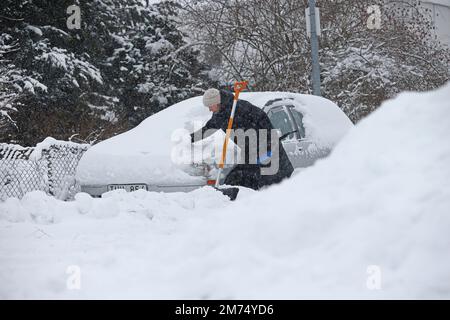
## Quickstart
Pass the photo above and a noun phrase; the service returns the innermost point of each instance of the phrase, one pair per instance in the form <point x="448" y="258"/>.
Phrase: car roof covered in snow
<point x="143" y="154"/>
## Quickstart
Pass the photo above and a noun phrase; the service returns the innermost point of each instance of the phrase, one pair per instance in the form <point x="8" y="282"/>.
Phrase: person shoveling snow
<point x="257" y="154"/>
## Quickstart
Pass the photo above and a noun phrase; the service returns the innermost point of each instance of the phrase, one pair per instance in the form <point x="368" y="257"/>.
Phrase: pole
<point x="314" y="49"/>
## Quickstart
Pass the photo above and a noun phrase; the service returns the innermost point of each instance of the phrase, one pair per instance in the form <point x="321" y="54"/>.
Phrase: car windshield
<point x="280" y="120"/>
<point x="298" y="117"/>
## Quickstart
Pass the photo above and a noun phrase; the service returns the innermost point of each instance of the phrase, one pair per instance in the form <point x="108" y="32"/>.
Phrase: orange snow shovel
<point x="230" y="192"/>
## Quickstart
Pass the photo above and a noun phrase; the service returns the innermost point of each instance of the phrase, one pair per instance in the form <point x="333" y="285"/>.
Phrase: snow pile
<point x="379" y="203"/>
<point x="381" y="199"/>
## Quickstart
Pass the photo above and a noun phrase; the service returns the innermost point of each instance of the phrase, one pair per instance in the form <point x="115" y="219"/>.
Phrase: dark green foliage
<point x="126" y="62"/>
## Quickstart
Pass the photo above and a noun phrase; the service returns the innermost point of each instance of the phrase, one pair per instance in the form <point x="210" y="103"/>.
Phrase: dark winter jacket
<point x="248" y="116"/>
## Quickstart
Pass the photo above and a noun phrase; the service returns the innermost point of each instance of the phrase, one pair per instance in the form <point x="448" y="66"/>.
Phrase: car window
<point x="298" y="117"/>
<point x="280" y="120"/>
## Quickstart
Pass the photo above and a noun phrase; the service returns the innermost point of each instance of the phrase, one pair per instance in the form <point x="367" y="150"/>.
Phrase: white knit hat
<point x="211" y="97"/>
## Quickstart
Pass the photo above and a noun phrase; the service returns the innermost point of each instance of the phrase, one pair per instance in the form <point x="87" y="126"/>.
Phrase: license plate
<point x="127" y="187"/>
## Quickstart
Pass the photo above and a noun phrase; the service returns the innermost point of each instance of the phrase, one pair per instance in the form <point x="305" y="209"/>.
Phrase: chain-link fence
<point x="49" y="167"/>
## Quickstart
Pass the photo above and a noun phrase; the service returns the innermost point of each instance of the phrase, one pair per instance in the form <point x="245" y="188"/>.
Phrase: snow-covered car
<point x="142" y="158"/>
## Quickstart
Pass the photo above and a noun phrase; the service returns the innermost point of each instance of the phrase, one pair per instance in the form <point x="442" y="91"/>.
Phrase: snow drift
<point x="369" y="221"/>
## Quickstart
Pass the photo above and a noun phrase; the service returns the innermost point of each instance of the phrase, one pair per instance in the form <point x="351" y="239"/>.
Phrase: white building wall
<point x="440" y="10"/>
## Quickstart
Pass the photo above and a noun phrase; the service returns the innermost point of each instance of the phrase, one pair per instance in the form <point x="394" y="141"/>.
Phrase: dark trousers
<point x="245" y="175"/>
<point x="249" y="175"/>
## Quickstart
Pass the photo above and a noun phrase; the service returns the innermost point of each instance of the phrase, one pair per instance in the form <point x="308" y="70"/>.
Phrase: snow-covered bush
<point x="362" y="67"/>
<point x="152" y="66"/>
<point x="266" y="43"/>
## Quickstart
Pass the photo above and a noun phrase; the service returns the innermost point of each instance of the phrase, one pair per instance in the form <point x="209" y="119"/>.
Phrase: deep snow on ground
<point x="382" y="199"/>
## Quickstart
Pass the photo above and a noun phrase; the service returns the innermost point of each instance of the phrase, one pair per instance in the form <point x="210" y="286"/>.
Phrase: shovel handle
<point x="238" y="87"/>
